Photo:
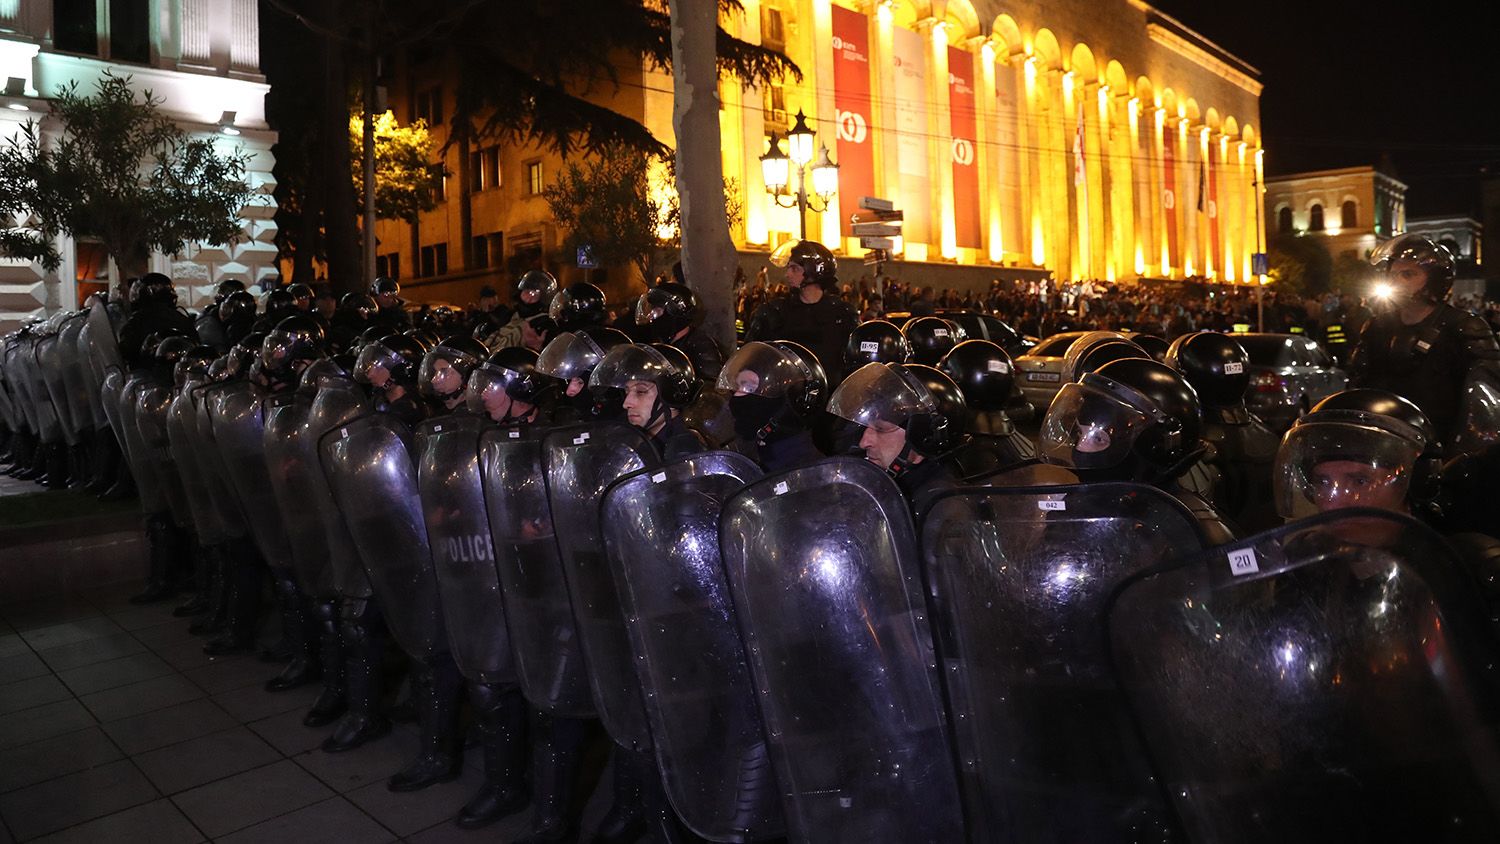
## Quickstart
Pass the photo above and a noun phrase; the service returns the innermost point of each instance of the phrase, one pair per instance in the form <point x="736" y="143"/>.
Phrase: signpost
<point x="877" y="225"/>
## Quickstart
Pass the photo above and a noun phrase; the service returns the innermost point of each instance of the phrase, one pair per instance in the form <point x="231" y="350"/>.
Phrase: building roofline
<point x="1157" y="16"/>
<point x="1334" y="172"/>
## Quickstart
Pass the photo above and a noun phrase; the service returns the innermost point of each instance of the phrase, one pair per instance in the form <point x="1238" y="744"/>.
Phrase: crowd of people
<point x="820" y="585"/>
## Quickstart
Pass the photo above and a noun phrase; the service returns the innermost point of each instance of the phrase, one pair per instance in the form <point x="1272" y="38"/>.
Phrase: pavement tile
<point x="179" y="767"/>
<point x="225" y="674"/>
<point x="47" y="612"/>
<point x="168" y="726"/>
<point x="288" y="734"/>
<point x="70" y="632"/>
<point x="114" y="597"/>
<point x="252" y="703"/>
<point x="12" y="644"/>
<point x="24" y="694"/>
<point x="65" y="801"/>
<point x="412" y="812"/>
<point x="43" y="722"/>
<point x="91" y="651"/>
<point x="372" y="762"/>
<point x="22" y="665"/>
<point x="157" y="822"/>
<point x="246" y="799"/>
<point x="142" y="618"/>
<point x="506" y="829"/>
<point x="65" y="754"/>
<point x="102" y="676"/>
<point x="184" y="655"/>
<point x="160" y="635"/>
<point x="335" y="821"/>
<point x="142" y="697"/>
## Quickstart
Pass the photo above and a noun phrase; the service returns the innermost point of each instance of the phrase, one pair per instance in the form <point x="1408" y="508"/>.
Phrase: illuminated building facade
<point x="201" y="58"/>
<point x="1355" y="208"/>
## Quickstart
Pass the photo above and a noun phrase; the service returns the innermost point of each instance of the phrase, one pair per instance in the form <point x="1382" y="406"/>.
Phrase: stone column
<point x="197" y="21"/>
<point x="244" y="46"/>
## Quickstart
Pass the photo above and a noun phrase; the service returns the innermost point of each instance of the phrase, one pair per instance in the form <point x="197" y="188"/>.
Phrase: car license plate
<point x="1051" y="377"/>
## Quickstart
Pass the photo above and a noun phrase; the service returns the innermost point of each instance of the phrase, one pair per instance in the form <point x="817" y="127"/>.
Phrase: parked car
<point x="1039" y="371"/>
<point x="1289" y="373"/>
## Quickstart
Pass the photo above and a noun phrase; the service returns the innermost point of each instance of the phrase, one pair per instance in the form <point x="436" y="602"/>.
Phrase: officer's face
<point x="385" y="300"/>
<point x="883" y="443"/>
<point x="640" y="398"/>
<point x="575" y="386"/>
<point x="1337" y="484"/>
<point x="379" y="376"/>
<point x="1407" y="277"/>
<point x="531" y="297"/>
<point x="496" y="402"/>
<point x="445" y="379"/>
<point x="746" y="383"/>
<point x="794" y="275"/>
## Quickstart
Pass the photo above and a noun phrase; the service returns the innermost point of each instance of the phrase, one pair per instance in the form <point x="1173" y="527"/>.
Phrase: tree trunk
<point x="341" y="238"/>
<point x="708" y="257"/>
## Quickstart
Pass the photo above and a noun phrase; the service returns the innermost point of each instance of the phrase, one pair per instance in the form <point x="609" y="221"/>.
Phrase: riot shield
<point x="543" y="633"/>
<point x="76" y="380"/>
<point x="182" y="430"/>
<point x="93" y="372"/>
<point x="110" y="388"/>
<point x="153" y="399"/>
<point x="822" y="565"/>
<point x="286" y="461"/>
<point x="1033" y="472"/>
<point x="239" y="434"/>
<point x="50" y="364"/>
<point x="463" y="554"/>
<point x="104" y="347"/>
<point x="369" y="468"/>
<point x="49" y="426"/>
<point x="337" y="402"/>
<point x="221" y="494"/>
<point x="1478" y="425"/>
<point x="988" y="454"/>
<point x="661" y="528"/>
<point x="582" y="461"/>
<point x="149" y="487"/>
<point x="1329" y="680"/>
<point x="1017" y="581"/>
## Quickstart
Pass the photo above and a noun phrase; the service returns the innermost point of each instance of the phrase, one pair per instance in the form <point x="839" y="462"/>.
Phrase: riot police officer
<point x="813" y="316"/>
<point x="653" y="384"/>
<point x="930" y="338"/>
<point x="534" y="292"/>
<point x="671" y="314"/>
<point x="580" y="305"/>
<point x="392" y="315"/>
<point x="389" y="366"/>
<point x="775" y="389"/>
<point x="445" y="371"/>
<point x="1422" y="348"/>
<point x="212" y="328"/>
<point x="569" y="359"/>
<point x="985" y="374"/>
<point x="153" y="310"/>
<point x="875" y="341"/>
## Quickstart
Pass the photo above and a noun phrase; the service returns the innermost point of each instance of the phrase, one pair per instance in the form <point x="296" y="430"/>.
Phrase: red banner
<point x="1169" y="191"/>
<point x="851" y="101"/>
<point x="1213" y="207"/>
<point x="964" y="123"/>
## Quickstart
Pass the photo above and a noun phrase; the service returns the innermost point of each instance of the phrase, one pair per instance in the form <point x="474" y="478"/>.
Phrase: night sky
<point x="1348" y="83"/>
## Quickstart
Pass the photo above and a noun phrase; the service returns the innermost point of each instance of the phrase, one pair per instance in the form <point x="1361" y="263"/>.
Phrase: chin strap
<point x="658" y="411"/>
<point x="903" y="462"/>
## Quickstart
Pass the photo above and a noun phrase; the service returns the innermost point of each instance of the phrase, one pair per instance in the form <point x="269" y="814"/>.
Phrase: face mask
<point x="751" y="413"/>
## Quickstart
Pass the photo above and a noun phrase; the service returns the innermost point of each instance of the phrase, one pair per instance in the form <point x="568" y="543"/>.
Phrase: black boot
<point x="78" y="462"/>
<point x="501" y="715"/>
<point x="301" y="634"/>
<point x="36" y="462"/>
<point x="436" y="686"/>
<point x="626" y="819"/>
<point x="214" y="619"/>
<point x="198" y="604"/>
<point x="57" y="466"/>
<point x="363" y="637"/>
<point x="556" y="750"/>
<point x="331" y="702"/>
<point x="160" y="539"/>
<point x="245" y="573"/>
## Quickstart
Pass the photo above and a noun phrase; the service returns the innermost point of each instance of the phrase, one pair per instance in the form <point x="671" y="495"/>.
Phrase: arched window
<point x="1349" y="214"/>
<point x="1315" y="218"/>
<point x="1284" y="220"/>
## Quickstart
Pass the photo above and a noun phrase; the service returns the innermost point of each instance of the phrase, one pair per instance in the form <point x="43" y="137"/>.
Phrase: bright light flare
<point x="1383" y="290"/>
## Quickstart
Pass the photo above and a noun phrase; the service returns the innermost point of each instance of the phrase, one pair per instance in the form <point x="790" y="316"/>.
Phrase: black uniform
<point x="148" y="320"/>
<point x="822" y="327"/>
<point x="705" y="354"/>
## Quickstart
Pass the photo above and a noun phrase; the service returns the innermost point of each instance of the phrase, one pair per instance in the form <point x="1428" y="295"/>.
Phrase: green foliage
<point x="121" y="172"/>
<point x="1352" y="274"/>
<point x="403" y="178"/>
<point x="1300" y="265"/>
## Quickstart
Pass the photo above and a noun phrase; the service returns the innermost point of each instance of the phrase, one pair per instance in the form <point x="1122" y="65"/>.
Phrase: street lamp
<point x="775" y="167"/>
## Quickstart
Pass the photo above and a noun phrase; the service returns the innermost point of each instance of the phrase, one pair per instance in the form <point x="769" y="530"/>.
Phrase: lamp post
<point x="776" y="165"/>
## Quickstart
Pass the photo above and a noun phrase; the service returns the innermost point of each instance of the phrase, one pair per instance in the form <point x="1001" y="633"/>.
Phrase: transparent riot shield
<point x="989" y="454"/>
<point x="76" y="378"/>
<point x="110" y="388"/>
<point x="104" y="348"/>
<point x="49" y="358"/>
<point x="49" y="426"/>
<point x="182" y="430"/>
<point x="153" y="400"/>
<point x="149" y="487"/>
<point x="286" y="418"/>
<point x="337" y="402"/>
<point x="822" y="565"/>
<point x="1478" y="425"/>
<point x="543" y="633"/>
<point x="463" y="553"/>
<point x="661" y="529"/>
<point x="369" y="468"/>
<point x="1330" y="680"/>
<point x="1031" y="472"/>
<point x="582" y="461"/>
<point x="93" y="371"/>
<point x="221" y="494"/>
<point x="17" y="383"/>
<point x="239" y="434"/>
<point x="1017" y="581"/>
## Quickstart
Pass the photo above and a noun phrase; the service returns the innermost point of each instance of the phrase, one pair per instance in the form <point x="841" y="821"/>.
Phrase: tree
<point x="1351" y="274"/>
<point x="403" y="176"/>
<point x="121" y="172"/>
<point x="1300" y="265"/>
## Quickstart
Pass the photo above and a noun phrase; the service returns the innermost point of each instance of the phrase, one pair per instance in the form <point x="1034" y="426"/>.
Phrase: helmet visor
<point x="276" y="350"/>
<point x="625" y="364"/>
<point x="877" y="394"/>
<point x="1089" y="428"/>
<point x="647" y="311"/>
<point x="442" y="373"/>
<point x="782" y="255"/>
<point x="375" y="364"/>
<point x="569" y="356"/>
<point x="488" y="390"/>
<point x="760" y="369"/>
<point x="1329" y="465"/>
<point x="558" y="309"/>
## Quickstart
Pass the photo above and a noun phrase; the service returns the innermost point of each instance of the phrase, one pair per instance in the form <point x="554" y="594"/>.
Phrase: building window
<point x="1284" y="221"/>
<point x="75" y="26"/>
<point x="130" y="31"/>
<point x="388" y="266"/>
<point x="430" y="106"/>
<point x="435" y="259"/>
<point x="772" y="29"/>
<point x="1315" y="218"/>
<point x="1349" y="215"/>
<point x="534" y="181"/>
<point x="439" y="184"/>
<point x="774" y="104"/>
<point x="484" y="169"/>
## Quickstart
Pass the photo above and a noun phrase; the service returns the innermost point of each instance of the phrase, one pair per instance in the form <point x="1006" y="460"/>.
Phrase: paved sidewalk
<point x="114" y="726"/>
